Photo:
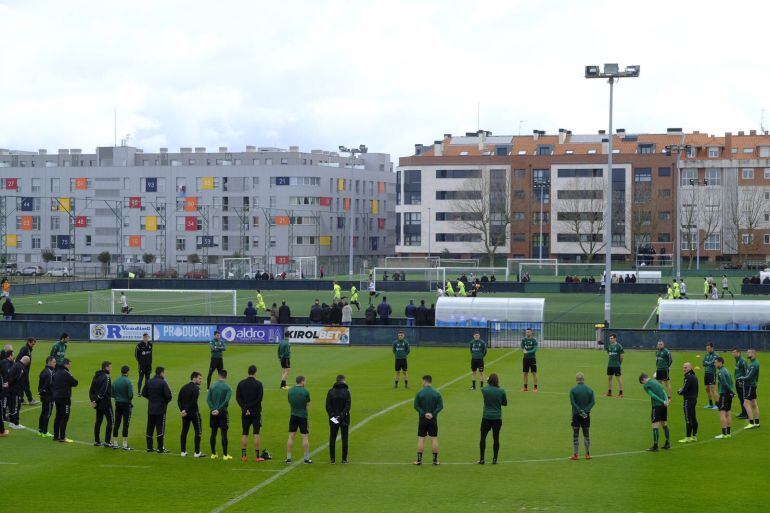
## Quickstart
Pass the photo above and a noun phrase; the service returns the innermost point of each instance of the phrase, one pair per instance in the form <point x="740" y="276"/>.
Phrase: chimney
<point x="447" y="136"/>
<point x="418" y="149"/>
<point x="164" y="150"/>
<point x="728" y="143"/>
<point x="482" y="139"/>
<point x="752" y="132"/>
<point x="536" y="134"/>
<point x="223" y="149"/>
<point x="605" y="146"/>
<point x="42" y="152"/>
<point x="294" y="148"/>
<point x="620" y="131"/>
<point x="740" y="133"/>
<point x="674" y="130"/>
<point x="250" y="148"/>
<point x="64" y="151"/>
<point x="438" y="148"/>
<point x="185" y="150"/>
<point x="200" y="149"/>
<point x="562" y="136"/>
<point x="602" y="132"/>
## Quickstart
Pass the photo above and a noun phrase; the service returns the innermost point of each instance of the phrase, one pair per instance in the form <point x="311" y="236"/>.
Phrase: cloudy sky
<point x="388" y="74"/>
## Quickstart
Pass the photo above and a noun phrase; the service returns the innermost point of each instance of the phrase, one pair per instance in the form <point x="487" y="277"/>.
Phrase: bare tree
<point x="483" y="208"/>
<point x="581" y="213"/>
<point x="745" y="214"/>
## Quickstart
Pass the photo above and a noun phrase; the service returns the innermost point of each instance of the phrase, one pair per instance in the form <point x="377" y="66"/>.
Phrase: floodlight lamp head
<point x="592" y="71"/>
<point x="632" y="71"/>
<point x="611" y="68"/>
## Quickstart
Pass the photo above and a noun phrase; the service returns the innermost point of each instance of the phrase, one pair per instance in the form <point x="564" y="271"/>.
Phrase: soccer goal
<point x="307" y="267"/>
<point x="165" y="301"/>
<point x="458" y="262"/>
<point x="236" y="268"/>
<point x="432" y="277"/>
<point x="500" y="273"/>
<point x="411" y="261"/>
<point x="513" y="265"/>
<point x="561" y="270"/>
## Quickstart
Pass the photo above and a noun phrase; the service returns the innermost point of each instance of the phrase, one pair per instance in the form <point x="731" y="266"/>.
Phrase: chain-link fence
<point x="548" y="334"/>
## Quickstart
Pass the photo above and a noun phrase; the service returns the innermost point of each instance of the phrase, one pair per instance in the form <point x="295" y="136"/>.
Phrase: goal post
<point x="236" y="268"/>
<point x="433" y="277"/>
<point x="458" y="262"/>
<point x="513" y="265"/>
<point x="307" y="266"/>
<point x="561" y="270"/>
<point x="411" y="262"/>
<point x="165" y="301"/>
<point x="478" y="272"/>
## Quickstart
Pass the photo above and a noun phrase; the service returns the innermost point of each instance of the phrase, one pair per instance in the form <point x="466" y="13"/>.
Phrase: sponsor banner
<point x="317" y="334"/>
<point x="119" y="331"/>
<point x="183" y="332"/>
<point x="251" y="334"/>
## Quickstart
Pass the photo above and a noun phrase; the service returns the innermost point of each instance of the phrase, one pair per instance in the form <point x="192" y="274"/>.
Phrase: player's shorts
<point x="427" y="427"/>
<point x="529" y="365"/>
<point x="580" y="422"/>
<point x="661" y="375"/>
<point x="217" y="363"/>
<point x="749" y="392"/>
<point x="219" y="421"/>
<point x="477" y="364"/>
<point x="659" y="414"/>
<point x="251" y="422"/>
<point x="614" y="371"/>
<point x="125" y="309"/>
<point x="725" y="402"/>
<point x="401" y="364"/>
<point x="296" y="423"/>
<point x="286" y="363"/>
<point x="709" y="379"/>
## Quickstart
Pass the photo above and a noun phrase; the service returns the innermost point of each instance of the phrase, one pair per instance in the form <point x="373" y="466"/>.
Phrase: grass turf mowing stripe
<point x="251" y="491"/>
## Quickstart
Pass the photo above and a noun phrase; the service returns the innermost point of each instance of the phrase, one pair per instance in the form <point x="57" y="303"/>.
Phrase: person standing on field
<point x="46" y="398"/>
<point x="218" y="399"/>
<point x="750" y="380"/>
<point x="740" y="371"/>
<point x="143" y="355"/>
<point x="100" y="395"/>
<point x="187" y="400"/>
<point x="338" y="409"/>
<point x="336" y="291"/>
<point x="478" y="349"/>
<point x="709" y="375"/>
<point x="354" y="298"/>
<point x="124" y="308"/>
<point x="61" y="390"/>
<point x="663" y="363"/>
<point x="260" y="302"/>
<point x="529" y="362"/>
<point x="123" y="393"/>
<point x="16" y="378"/>
<point x="615" y="360"/>
<point x="582" y="399"/>
<point x="26" y="350"/>
<point x="248" y="395"/>
<point x="492" y="417"/>
<point x="158" y="395"/>
<point x="428" y="403"/>
<point x="217" y="362"/>
<point x="726" y="393"/>
<point x="299" y="401"/>
<point x="689" y="393"/>
<point x="284" y="356"/>
<point x="401" y="351"/>
<point x="659" y="415"/>
<point x="59" y="350"/>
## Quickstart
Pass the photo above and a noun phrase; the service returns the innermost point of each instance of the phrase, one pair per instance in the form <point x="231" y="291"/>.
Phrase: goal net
<point x="307" y="267"/>
<point x="512" y="265"/>
<point x="561" y="270"/>
<point x="236" y="268"/>
<point x="458" y="262"/>
<point x="432" y="277"/>
<point x="164" y="301"/>
<point x="500" y="273"/>
<point x="411" y="261"/>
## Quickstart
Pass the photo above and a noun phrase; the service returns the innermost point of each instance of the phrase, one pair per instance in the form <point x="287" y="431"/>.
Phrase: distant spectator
<point x="421" y="315"/>
<point x="265" y="276"/>
<point x="484" y="279"/>
<point x="766" y="281"/>
<point x="274" y="314"/>
<point x="746" y="280"/>
<point x="633" y="278"/>
<point x="493" y="278"/>
<point x="321" y="272"/>
<point x="591" y="279"/>
<point x="9" y="311"/>
<point x="316" y="314"/>
<point x="335" y="315"/>
<point x="584" y="280"/>
<point x="370" y="315"/>
<point x="347" y="314"/>
<point x="384" y="310"/>
<point x="463" y="279"/>
<point x="620" y="279"/>
<point x="410" y="312"/>
<point x="385" y="276"/>
<point x="326" y="313"/>
<point x="283" y="275"/>
<point x="250" y="312"/>
<point x="432" y="315"/>
<point x="284" y="313"/>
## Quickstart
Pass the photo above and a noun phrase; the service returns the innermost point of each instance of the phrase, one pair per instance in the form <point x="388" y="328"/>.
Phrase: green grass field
<point x="629" y="310"/>
<point x="712" y="475"/>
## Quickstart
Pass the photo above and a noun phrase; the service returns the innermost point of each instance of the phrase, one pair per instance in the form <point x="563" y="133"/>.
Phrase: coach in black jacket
<point x="46" y="398"/>
<point x="100" y="394"/>
<point x="16" y="377"/>
<point x="26" y="350"/>
<point x="338" y="409"/>
<point x="248" y="394"/>
<point x="689" y="393"/>
<point x="284" y="313"/>
<point x="143" y="355"/>
<point x="187" y="400"/>
<point x="158" y="395"/>
<point x="61" y="390"/>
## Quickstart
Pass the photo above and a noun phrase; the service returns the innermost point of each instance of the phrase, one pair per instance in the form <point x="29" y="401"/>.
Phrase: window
<point x="180" y="243"/>
<point x="713" y="242"/>
<point x="592" y="151"/>
<point x="643" y="175"/>
<point x="767" y="238"/>
<point x="460" y="216"/>
<point x="55" y="222"/>
<point x="518" y="194"/>
<point x="284" y="161"/>
<point x="518" y="237"/>
<point x="411" y="218"/>
<point x="584" y="237"/>
<point x="545" y="150"/>
<point x="664" y="171"/>
<point x="569" y="152"/>
<point x="579" y="194"/>
<point x="714" y="176"/>
<point x="748" y="151"/>
<point x="458" y="237"/>
<point x="580" y="173"/>
<point x="458" y="173"/>
<point x="643" y="217"/>
<point x="692" y="152"/>
<point x="713" y="153"/>
<point x="664" y="237"/>
<point x="536" y="218"/>
<point x="55" y="185"/>
<point x="664" y="193"/>
<point x="522" y="152"/>
<point x="273" y="201"/>
<point x="689" y="174"/>
<point x="269" y="162"/>
<point x="747" y="173"/>
<point x="767" y="173"/>
<point x="35" y="186"/>
<point x="747" y="238"/>
<point x="413" y="239"/>
<point x="579" y="216"/>
<point x="646" y="149"/>
<point x="517" y="216"/>
<point x="458" y="195"/>
<point x="664" y="216"/>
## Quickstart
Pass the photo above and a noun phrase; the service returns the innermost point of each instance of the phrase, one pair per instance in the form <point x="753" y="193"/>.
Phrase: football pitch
<point x="534" y="473"/>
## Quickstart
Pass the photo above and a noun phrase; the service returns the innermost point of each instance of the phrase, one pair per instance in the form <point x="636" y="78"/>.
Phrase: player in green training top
<point x="492" y="417"/>
<point x="478" y="349"/>
<point x="659" y="416"/>
<point x="750" y="380"/>
<point x="218" y="400"/>
<point x="663" y="363"/>
<point x="726" y="393"/>
<point x="615" y="360"/>
<point x="401" y="352"/>
<point x="216" y="363"/>
<point x="59" y="350"/>
<point x="336" y="291"/>
<point x="284" y="355"/>
<point x="428" y="403"/>
<point x="709" y="376"/>
<point x="529" y="362"/>
<point x="740" y="370"/>
<point x="299" y="400"/>
<point x="582" y="399"/>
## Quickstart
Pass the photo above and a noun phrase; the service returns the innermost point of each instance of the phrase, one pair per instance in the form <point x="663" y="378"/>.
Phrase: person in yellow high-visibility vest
<point x="461" y="289"/>
<point x="450" y="291"/>
<point x="706" y="288"/>
<point x="669" y="292"/>
<point x="337" y="291"/>
<point x="354" y="297"/>
<point x="657" y="308"/>
<point x="675" y="286"/>
<point x="260" y="302"/>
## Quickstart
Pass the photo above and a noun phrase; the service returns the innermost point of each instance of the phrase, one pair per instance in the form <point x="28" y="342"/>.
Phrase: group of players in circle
<point x="56" y="382"/>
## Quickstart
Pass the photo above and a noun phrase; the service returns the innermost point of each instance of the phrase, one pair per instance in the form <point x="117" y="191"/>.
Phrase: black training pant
<point x="156" y="423"/>
<point x="215" y="364"/>
<point x="27" y="390"/>
<point x="62" y="417"/>
<point x="194" y="419"/>
<point x="494" y="425"/>
<point x="14" y="406"/>
<point x="104" y="414"/>
<point x="219" y="422"/>
<point x="333" y="430"/>
<point x="690" y="420"/>
<point x="144" y="373"/>
<point x="122" y="416"/>
<point x="46" y="408"/>
<point x="739" y="389"/>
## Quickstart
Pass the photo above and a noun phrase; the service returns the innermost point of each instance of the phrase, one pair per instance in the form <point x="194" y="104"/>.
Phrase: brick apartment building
<point x="725" y="195"/>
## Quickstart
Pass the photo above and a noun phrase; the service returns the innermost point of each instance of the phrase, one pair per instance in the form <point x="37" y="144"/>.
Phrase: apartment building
<point x="271" y="203"/>
<point x="556" y="187"/>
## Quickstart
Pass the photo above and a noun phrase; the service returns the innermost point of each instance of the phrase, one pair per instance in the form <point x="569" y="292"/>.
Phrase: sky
<point x="320" y="74"/>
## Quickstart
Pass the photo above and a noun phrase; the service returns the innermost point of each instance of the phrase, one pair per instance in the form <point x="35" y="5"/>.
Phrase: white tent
<point x="478" y="311"/>
<point x="716" y="315"/>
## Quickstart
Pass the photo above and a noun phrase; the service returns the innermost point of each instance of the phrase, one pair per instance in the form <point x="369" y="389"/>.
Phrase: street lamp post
<point x="612" y="73"/>
<point x="542" y="183"/>
<point x="352" y="151"/>
<point x="678" y="149"/>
